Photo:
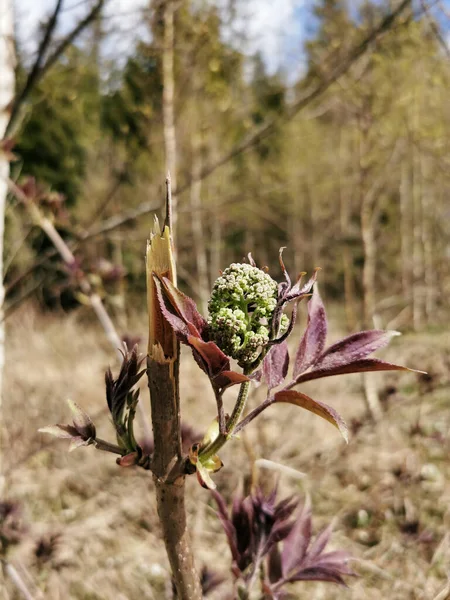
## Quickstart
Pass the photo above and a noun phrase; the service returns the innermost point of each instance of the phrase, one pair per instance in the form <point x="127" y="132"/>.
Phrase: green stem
<point x="222" y="438"/>
<point x="238" y="408"/>
<point x="108" y="447"/>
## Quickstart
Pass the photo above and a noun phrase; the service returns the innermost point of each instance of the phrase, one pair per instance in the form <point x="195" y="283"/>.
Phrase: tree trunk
<point x="406" y="229"/>
<point x="197" y="224"/>
<point x="170" y="143"/>
<point x="216" y="232"/>
<point x="7" y="63"/>
<point x="344" y="219"/>
<point x="367" y="210"/>
<point x="428" y="204"/>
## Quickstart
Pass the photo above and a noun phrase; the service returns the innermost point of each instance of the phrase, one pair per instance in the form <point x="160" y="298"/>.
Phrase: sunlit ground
<point x="388" y="491"/>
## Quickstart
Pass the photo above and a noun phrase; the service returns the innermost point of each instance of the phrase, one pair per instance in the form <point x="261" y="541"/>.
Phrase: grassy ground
<point x="388" y="490"/>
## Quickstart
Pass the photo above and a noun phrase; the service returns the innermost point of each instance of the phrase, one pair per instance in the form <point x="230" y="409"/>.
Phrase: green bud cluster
<point x="241" y="308"/>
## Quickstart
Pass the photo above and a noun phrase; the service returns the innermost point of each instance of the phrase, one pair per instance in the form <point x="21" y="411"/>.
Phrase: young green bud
<point x="241" y="308"/>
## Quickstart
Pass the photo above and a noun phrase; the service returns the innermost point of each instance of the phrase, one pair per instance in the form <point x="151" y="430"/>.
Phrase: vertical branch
<point x="297" y="227"/>
<point x="216" y="247"/>
<point x="197" y="223"/>
<point x="367" y="200"/>
<point x="344" y="217"/>
<point x="168" y="60"/>
<point x="163" y="382"/>
<point x="7" y="63"/>
<point x="406" y="229"/>
<point x="418" y="270"/>
<point x="427" y="240"/>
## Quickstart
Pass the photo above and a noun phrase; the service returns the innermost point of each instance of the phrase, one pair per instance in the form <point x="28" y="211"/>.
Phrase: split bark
<point x="163" y="381"/>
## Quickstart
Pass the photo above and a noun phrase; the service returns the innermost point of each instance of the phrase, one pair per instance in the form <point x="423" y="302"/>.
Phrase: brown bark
<point x="163" y="381"/>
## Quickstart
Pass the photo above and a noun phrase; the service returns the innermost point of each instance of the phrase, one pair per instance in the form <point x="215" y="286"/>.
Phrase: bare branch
<point x="35" y="71"/>
<point x="434" y="28"/>
<point x="40" y="67"/>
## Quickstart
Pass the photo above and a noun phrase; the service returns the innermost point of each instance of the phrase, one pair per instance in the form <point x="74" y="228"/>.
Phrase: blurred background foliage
<point x="355" y="183"/>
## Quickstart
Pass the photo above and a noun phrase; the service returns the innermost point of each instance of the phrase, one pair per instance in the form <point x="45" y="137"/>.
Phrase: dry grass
<point x="388" y="490"/>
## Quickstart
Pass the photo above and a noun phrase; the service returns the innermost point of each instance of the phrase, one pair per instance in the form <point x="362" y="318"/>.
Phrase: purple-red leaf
<point x="179" y="326"/>
<point x="318" y="408"/>
<point x="226" y="379"/>
<point x="320" y="542"/>
<point x="298" y="292"/>
<point x="275" y="365"/>
<point x="319" y="574"/>
<point x="297" y="542"/>
<point x="227" y="525"/>
<point x="313" y="340"/>
<point x="214" y="360"/>
<point x="354" y="348"/>
<point x="184" y="306"/>
<point x="359" y="366"/>
<point x="274" y="570"/>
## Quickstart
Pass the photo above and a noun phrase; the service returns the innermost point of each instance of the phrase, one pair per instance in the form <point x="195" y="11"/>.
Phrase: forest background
<point x="338" y="151"/>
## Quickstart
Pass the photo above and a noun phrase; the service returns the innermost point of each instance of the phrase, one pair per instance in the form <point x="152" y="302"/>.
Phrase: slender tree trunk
<point x="406" y="229"/>
<point x="168" y="67"/>
<point x="216" y="232"/>
<point x="197" y="215"/>
<point x="367" y="207"/>
<point x="370" y="255"/>
<point x="429" y="277"/>
<point x="416" y="194"/>
<point x="7" y="62"/>
<point x="418" y="274"/>
<point x="296" y="226"/>
<point x="344" y="218"/>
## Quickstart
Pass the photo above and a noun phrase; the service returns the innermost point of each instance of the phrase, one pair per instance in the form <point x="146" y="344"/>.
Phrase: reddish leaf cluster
<point x="276" y="538"/>
<point x="313" y="361"/>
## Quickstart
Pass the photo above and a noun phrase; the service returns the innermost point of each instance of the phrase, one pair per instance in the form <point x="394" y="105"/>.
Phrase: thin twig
<point x="17" y="580"/>
<point x="40" y="68"/>
<point x="35" y="71"/>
